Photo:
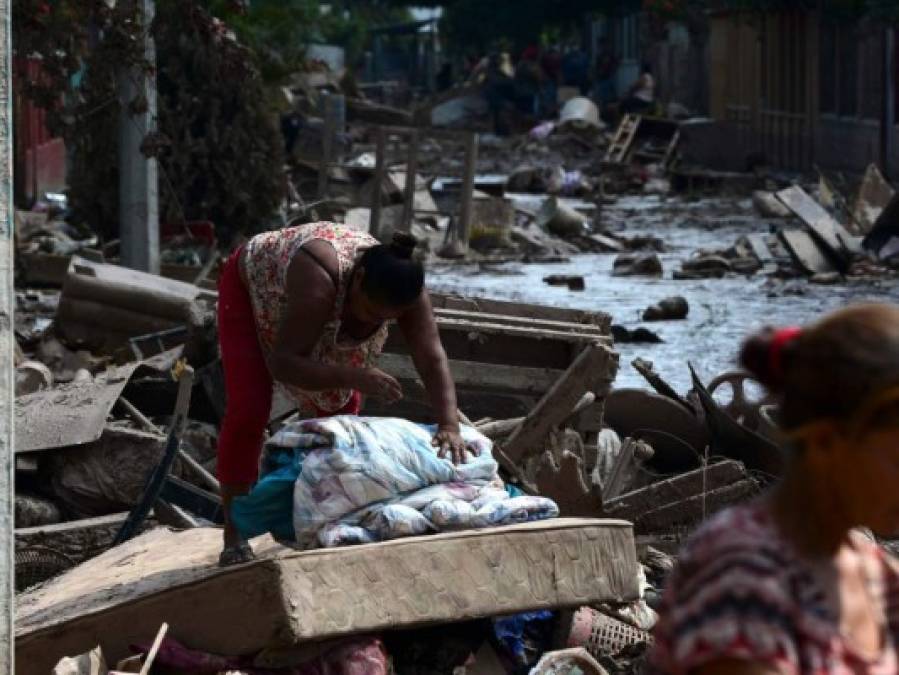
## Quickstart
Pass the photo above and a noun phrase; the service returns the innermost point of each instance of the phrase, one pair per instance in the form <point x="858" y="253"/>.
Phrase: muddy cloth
<point x="350" y="480"/>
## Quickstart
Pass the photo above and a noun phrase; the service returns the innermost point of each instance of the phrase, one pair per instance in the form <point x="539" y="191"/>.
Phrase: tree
<point x="218" y="145"/>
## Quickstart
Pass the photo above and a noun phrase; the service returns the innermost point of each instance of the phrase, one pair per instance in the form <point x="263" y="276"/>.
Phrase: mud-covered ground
<point x="722" y="311"/>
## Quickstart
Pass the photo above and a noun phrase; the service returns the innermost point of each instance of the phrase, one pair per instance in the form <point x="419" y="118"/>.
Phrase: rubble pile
<point x="119" y="394"/>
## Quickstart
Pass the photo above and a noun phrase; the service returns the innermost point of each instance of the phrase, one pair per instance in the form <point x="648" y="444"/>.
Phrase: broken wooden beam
<point x="695" y="508"/>
<point x="593" y="370"/>
<point x="633" y="505"/>
<point x="633" y="453"/>
<point x="77" y="539"/>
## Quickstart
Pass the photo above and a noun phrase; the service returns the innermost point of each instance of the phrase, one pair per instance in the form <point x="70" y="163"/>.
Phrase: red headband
<point x="781" y="339"/>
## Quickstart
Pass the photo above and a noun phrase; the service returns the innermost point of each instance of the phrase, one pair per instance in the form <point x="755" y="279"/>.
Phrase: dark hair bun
<point x="757" y="357"/>
<point x="403" y="245"/>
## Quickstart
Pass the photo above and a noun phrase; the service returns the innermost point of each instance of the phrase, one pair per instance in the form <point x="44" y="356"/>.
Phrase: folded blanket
<point x="358" y="480"/>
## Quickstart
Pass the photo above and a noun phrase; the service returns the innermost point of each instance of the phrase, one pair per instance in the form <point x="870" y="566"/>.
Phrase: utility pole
<point x="888" y="117"/>
<point x="138" y="174"/>
<point x="7" y="348"/>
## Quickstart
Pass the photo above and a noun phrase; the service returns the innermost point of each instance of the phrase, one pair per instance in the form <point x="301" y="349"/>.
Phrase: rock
<point x="746" y="265"/>
<point x="453" y="250"/>
<point x="826" y="278"/>
<point x="574" y="283"/>
<point x="560" y="219"/>
<point x="31" y="377"/>
<point x="33" y="511"/>
<point x="706" y="267"/>
<point x="644" y="243"/>
<point x="669" y="309"/>
<point x="637" y="336"/>
<point x="647" y="265"/>
<point x="768" y="205"/>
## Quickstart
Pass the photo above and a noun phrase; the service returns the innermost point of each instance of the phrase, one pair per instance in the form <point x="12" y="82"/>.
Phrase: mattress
<point x="287" y="597"/>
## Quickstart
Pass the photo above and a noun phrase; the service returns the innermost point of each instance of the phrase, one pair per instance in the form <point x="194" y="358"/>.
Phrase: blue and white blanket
<point x="359" y="480"/>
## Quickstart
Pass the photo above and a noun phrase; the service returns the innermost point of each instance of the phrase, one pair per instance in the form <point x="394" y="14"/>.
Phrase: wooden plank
<point x="835" y="239"/>
<point x="470" y="375"/>
<point x="587" y="330"/>
<point x="525" y="310"/>
<point x="78" y="539"/>
<point x="806" y="253"/>
<point x="693" y="509"/>
<point x="593" y="370"/>
<point x="501" y="327"/>
<point x="471" y="160"/>
<point x="760" y="248"/>
<point x="633" y="505"/>
<point x="374" y="226"/>
<point x="503" y="344"/>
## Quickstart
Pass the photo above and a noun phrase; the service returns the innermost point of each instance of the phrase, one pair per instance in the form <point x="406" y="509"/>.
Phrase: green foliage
<point x="223" y="153"/>
<point x="276" y="31"/>
<point x="219" y="148"/>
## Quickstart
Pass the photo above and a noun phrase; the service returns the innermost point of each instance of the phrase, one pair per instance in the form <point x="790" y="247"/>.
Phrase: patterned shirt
<point x="741" y="592"/>
<point x="265" y="262"/>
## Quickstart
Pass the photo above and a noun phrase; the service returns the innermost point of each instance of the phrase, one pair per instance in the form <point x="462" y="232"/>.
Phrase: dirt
<point x="722" y="311"/>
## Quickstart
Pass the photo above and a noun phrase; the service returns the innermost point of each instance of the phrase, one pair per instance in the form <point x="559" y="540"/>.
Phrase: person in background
<point x="788" y="584"/>
<point x="551" y="67"/>
<point x="576" y="69"/>
<point x="528" y="78"/>
<point x="606" y="71"/>
<point x="499" y="89"/>
<point x="642" y="95"/>
<point x="308" y="307"/>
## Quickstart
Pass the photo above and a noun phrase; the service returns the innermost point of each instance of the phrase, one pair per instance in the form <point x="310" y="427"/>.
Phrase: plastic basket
<point x="603" y="635"/>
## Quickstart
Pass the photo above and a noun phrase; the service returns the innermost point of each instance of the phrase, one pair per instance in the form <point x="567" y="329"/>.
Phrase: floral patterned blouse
<point x="265" y="261"/>
<point x="740" y="592"/>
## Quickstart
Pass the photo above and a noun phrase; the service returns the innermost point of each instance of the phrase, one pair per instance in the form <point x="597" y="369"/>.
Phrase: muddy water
<point x="722" y="311"/>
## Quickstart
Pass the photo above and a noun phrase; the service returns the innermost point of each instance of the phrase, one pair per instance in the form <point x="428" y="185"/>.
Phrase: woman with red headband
<point x="788" y="584"/>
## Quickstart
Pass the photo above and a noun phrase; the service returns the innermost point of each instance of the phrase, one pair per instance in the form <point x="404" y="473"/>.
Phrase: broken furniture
<point x="649" y="140"/>
<point x="285" y="598"/>
<point x="683" y="500"/>
<point x="103" y="305"/>
<point x="510" y="360"/>
<point x="729" y="438"/>
<point x="462" y="232"/>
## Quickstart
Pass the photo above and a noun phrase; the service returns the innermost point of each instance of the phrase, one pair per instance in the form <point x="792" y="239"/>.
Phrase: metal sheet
<point x="71" y="414"/>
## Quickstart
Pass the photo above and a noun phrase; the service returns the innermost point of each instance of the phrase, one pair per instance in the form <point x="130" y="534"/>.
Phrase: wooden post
<point x="327" y="148"/>
<point x="333" y="112"/>
<point x="374" y="226"/>
<point x="471" y="162"/>
<point x="888" y="119"/>
<point x="411" y="171"/>
<point x="138" y="174"/>
<point x="7" y="351"/>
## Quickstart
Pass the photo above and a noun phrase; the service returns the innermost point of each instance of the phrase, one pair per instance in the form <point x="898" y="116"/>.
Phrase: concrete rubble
<point x="101" y="348"/>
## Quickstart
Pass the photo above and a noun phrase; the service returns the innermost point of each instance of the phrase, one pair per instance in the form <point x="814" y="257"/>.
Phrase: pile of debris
<point x="118" y="434"/>
<point x="817" y="246"/>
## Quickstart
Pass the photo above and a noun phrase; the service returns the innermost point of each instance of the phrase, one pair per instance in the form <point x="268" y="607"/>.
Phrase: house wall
<point x="796" y="90"/>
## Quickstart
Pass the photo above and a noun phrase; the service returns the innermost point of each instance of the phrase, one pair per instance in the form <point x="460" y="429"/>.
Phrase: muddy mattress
<point x="286" y="597"/>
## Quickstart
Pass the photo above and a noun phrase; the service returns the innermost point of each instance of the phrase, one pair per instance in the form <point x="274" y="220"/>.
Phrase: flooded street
<point x="722" y="311"/>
